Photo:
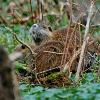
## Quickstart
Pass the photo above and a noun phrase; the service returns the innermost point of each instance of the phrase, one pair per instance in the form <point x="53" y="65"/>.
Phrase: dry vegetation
<point x="69" y="53"/>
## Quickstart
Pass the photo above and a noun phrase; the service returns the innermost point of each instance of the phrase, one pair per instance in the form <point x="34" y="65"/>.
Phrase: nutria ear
<point x="50" y="29"/>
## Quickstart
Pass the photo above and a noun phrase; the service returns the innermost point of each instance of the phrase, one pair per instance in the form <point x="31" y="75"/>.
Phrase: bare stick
<point x="69" y="63"/>
<point x="84" y="42"/>
<point x="98" y="73"/>
<point x="55" y="52"/>
<point x="31" y="9"/>
<point x="51" y="69"/>
<point x="39" y="5"/>
<point x="31" y="6"/>
<point x="20" y="40"/>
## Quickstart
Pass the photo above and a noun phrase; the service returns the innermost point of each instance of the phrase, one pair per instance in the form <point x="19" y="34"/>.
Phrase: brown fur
<point x="45" y="60"/>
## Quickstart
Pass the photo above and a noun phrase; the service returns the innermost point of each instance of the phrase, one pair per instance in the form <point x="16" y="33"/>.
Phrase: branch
<point x="21" y="41"/>
<point x="69" y="63"/>
<point x="55" y="52"/>
<point x="84" y="42"/>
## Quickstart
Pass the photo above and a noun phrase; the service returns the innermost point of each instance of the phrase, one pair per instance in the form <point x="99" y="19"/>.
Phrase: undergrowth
<point x="88" y="87"/>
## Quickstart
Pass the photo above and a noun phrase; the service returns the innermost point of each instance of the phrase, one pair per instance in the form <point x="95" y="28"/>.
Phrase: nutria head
<point x="40" y="33"/>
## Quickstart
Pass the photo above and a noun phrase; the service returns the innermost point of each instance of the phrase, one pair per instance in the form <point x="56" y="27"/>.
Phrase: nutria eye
<point x="35" y="25"/>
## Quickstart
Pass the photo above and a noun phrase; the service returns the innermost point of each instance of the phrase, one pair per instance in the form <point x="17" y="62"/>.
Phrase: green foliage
<point x="7" y="39"/>
<point x="57" y="23"/>
<point x="88" y="91"/>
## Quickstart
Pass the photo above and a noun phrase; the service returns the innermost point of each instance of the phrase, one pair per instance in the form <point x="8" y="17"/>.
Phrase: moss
<point x="55" y="75"/>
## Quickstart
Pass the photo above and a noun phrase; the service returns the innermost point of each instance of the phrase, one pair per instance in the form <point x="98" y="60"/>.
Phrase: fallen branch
<point x="44" y="73"/>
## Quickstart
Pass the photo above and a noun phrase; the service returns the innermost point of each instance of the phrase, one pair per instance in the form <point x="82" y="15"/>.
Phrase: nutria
<point x="49" y="55"/>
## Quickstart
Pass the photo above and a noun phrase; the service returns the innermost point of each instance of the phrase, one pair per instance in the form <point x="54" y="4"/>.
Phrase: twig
<point x="70" y="10"/>
<point x="55" y="52"/>
<point x="69" y="41"/>
<point x="4" y="20"/>
<point x="64" y="51"/>
<point x="98" y="73"/>
<point x="84" y="42"/>
<point x="66" y="48"/>
<point x="20" y="41"/>
<point x="39" y="7"/>
<point x="32" y="53"/>
<point x="69" y="63"/>
<point x="49" y="70"/>
<point x="31" y="8"/>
